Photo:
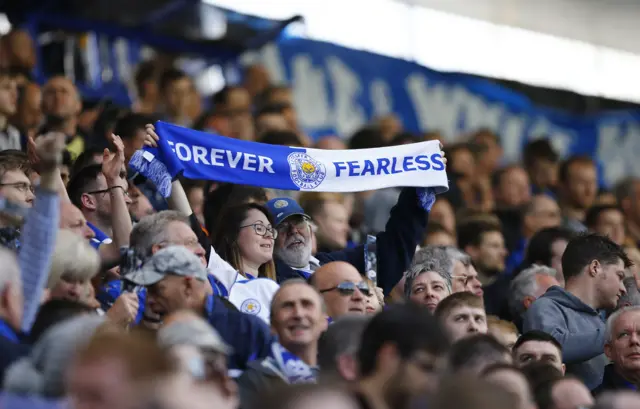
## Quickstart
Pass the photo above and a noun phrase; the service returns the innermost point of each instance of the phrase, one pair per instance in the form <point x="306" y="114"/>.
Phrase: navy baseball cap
<point x="283" y="207"/>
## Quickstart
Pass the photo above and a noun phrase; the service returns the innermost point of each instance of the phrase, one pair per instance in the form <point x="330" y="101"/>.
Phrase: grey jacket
<point x="578" y="327"/>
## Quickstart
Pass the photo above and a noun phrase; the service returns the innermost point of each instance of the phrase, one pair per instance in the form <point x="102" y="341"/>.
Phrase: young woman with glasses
<point x="245" y="239"/>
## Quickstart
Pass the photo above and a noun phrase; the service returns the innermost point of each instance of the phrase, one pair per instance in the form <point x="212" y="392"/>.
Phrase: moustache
<point x="293" y="239"/>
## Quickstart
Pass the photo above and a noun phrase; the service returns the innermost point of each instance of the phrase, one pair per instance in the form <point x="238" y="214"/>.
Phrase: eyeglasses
<point x="262" y="230"/>
<point x="347" y="288"/>
<point x="96" y="192"/>
<point x="23" y="187"/>
<point x="464" y="279"/>
<point x="297" y="224"/>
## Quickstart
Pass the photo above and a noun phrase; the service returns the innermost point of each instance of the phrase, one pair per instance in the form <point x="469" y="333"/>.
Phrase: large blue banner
<point x="337" y="90"/>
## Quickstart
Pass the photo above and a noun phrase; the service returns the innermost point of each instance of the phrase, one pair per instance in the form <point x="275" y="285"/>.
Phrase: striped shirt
<point x="38" y="240"/>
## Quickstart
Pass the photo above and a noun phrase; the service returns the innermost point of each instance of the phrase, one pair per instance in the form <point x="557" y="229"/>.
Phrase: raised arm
<point x="39" y="232"/>
<point x="112" y="167"/>
<point x="178" y="199"/>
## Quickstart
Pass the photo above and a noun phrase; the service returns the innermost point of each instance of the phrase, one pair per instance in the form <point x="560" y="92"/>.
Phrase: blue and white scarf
<point x="289" y="367"/>
<point x="200" y="155"/>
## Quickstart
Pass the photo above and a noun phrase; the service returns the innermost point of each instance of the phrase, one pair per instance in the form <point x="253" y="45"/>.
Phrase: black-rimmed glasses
<point x="107" y="190"/>
<point x="347" y="288"/>
<point x="23" y="187"/>
<point x="262" y="230"/>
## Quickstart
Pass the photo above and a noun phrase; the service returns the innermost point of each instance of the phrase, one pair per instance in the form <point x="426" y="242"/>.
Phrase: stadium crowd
<point x="518" y="288"/>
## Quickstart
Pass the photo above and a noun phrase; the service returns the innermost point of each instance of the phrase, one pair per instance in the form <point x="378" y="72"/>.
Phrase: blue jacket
<point x="395" y="246"/>
<point x="10" y="348"/>
<point x="578" y="328"/>
<point x="247" y="334"/>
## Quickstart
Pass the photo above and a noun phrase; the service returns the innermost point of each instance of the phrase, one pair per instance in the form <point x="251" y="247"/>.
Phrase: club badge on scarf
<point x="290" y="368"/>
<point x="204" y="156"/>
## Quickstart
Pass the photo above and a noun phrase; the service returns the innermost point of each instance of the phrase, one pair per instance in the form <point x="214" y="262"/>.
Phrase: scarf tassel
<point x="148" y="165"/>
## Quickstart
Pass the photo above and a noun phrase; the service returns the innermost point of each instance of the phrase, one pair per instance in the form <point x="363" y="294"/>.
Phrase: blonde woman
<point x="73" y="266"/>
<point x="75" y="262"/>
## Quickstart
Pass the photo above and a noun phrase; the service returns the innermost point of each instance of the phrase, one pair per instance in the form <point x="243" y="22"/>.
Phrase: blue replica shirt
<point x="100" y="237"/>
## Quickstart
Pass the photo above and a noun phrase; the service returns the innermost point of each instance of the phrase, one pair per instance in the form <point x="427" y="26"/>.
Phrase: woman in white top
<point x="245" y="239"/>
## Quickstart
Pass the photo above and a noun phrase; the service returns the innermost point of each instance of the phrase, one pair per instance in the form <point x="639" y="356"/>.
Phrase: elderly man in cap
<point x="394" y="247"/>
<point x="200" y="351"/>
<point x="176" y="279"/>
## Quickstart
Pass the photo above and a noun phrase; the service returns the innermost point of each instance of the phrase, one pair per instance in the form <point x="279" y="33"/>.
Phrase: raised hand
<point x="124" y="310"/>
<point x="151" y="138"/>
<point x="113" y="162"/>
<point x="46" y="152"/>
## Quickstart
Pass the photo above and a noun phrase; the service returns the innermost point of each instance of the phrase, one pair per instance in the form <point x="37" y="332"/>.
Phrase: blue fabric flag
<point x="200" y="155"/>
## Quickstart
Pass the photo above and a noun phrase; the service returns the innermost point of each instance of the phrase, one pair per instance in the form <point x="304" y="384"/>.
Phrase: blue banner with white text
<point x="338" y="90"/>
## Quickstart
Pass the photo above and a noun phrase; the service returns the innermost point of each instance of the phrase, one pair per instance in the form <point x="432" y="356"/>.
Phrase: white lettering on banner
<point x="271" y="60"/>
<point x="223" y="158"/>
<point x="445" y="109"/>
<point x="434" y="106"/>
<point x="480" y="115"/>
<point x="349" y="116"/>
<point x="381" y="98"/>
<point x="617" y="150"/>
<point x="310" y="93"/>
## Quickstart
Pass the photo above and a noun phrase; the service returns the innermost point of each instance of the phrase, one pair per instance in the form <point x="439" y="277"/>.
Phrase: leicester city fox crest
<point x="306" y="172"/>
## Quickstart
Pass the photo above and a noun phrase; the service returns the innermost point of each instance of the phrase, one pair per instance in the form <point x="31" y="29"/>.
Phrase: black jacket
<point x="612" y="381"/>
<point x="395" y="246"/>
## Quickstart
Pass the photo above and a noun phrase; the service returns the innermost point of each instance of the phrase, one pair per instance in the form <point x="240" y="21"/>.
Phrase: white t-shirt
<point x="250" y="295"/>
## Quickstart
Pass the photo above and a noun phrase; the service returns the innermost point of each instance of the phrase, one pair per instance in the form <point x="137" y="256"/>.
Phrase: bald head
<point x="349" y="299"/>
<point x="332" y="274"/>
<point x="71" y="218"/>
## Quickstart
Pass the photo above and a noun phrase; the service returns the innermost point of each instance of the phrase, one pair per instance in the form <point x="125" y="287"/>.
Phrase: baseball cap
<point x="195" y="332"/>
<point x="174" y="260"/>
<point x="283" y="207"/>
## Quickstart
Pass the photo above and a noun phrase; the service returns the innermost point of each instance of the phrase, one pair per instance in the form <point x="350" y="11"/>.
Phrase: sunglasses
<point x="347" y="288"/>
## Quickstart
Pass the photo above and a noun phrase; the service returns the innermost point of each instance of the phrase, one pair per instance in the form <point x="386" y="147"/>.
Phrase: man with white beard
<point x="394" y="247"/>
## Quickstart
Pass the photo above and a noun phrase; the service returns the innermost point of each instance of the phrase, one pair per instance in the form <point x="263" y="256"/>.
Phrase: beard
<point x="295" y="257"/>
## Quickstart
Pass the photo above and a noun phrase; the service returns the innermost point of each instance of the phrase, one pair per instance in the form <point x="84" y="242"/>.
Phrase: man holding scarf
<point x="395" y="246"/>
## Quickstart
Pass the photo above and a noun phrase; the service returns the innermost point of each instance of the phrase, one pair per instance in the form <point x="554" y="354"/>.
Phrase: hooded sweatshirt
<point x="577" y="327"/>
